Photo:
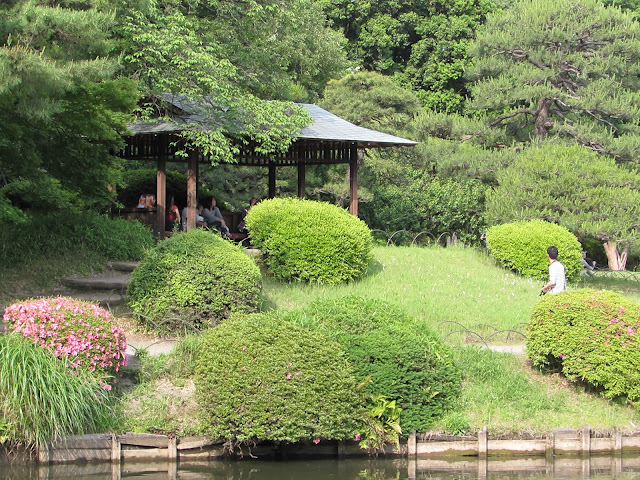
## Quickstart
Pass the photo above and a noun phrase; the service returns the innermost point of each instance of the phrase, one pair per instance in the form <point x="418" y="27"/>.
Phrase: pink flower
<point x="357" y="437"/>
<point x="631" y="331"/>
<point x="289" y="376"/>
<point x="316" y="441"/>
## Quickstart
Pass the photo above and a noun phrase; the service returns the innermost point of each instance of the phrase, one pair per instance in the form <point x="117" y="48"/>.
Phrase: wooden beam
<point x="302" y="183"/>
<point x="356" y="156"/>
<point x="161" y="195"/>
<point x="192" y="178"/>
<point x="272" y="180"/>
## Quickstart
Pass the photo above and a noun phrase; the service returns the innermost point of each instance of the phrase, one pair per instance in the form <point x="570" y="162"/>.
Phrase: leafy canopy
<point x="571" y="186"/>
<point x="564" y="69"/>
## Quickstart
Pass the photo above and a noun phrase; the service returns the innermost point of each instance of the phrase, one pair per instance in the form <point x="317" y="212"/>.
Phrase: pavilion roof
<point x="325" y="127"/>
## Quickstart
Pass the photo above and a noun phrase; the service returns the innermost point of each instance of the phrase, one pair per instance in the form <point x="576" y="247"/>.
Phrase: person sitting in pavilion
<point x="213" y="217"/>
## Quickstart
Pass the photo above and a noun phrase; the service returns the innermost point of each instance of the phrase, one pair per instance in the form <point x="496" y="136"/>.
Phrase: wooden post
<point x="191" y="189"/>
<point x="116" y="449"/>
<point x="483" y="442"/>
<point x="272" y="179"/>
<point x="356" y="155"/>
<point x="585" y="440"/>
<point x="302" y="186"/>
<point x="161" y="195"/>
<point x="412" y="444"/>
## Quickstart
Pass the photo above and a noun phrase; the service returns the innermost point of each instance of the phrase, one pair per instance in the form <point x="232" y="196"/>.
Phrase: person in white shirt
<point x="557" y="281"/>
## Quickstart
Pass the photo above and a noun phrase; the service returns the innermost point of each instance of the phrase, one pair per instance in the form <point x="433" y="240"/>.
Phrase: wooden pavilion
<point x="328" y="140"/>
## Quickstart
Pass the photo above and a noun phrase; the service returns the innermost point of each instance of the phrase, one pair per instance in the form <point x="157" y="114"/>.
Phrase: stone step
<point x="122" y="266"/>
<point x="110" y="280"/>
<point x="106" y="299"/>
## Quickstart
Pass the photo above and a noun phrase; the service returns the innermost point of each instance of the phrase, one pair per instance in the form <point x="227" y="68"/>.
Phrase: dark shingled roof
<point x="325" y="127"/>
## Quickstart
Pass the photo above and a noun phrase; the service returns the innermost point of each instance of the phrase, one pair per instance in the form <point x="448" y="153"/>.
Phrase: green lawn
<point x="434" y="285"/>
<point x="464" y="285"/>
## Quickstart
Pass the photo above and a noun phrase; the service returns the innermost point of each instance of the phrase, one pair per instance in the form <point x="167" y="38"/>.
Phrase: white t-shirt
<point x="557" y="276"/>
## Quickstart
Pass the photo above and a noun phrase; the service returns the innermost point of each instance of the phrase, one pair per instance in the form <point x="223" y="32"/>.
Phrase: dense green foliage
<point x="572" y="186"/>
<point x="261" y="378"/>
<point x="566" y="69"/>
<point x="406" y="362"/>
<point x="522" y="246"/>
<point x="58" y="233"/>
<point x="191" y="281"/>
<point x="41" y="399"/>
<point x="424" y="44"/>
<point x="61" y="104"/>
<point x="590" y="336"/>
<point x="310" y="241"/>
<point x="439" y="207"/>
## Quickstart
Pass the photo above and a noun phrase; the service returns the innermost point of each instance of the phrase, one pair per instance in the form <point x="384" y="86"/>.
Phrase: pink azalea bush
<point x="591" y="337"/>
<point x="83" y="334"/>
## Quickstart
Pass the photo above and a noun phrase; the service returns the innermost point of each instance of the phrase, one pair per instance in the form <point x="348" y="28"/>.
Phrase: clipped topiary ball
<point x="405" y="361"/>
<point x="83" y="334"/>
<point x="522" y="246"/>
<point x="589" y="335"/>
<point x="193" y="280"/>
<point x="310" y="241"/>
<point x="263" y="378"/>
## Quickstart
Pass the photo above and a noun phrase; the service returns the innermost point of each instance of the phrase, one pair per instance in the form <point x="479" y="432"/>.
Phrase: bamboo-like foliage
<point x="40" y="399"/>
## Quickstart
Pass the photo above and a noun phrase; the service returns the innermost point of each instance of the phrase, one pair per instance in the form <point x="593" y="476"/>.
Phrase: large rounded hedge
<point x="522" y="246"/>
<point x="193" y="280"/>
<point x="589" y="335"/>
<point x="310" y="241"/>
<point x="405" y="361"/>
<point x="263" y="378"/>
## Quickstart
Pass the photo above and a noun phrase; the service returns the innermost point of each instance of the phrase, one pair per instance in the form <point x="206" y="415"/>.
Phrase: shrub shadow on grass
<point x="374" y="268"/>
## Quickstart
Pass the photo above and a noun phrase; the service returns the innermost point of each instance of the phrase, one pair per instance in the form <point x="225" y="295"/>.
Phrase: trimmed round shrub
<point x="589" y="336"/>
<point x="405" y="361"/>
<point x="193" y="280"/>
<point x="522" y="246"/>
<point x="310" y="241"/>
<point x="40" y="398"/>
<point x="83" y="334"/>
<point x="263" y="378"/>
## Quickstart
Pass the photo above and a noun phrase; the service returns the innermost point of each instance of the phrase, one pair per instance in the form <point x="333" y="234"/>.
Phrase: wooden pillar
<point x="272" y="180"/>
<point x="161" y="194"/>
<point x="302" y="183"/>
<point x="356" y="156"/>
<point x="192" y="178"/>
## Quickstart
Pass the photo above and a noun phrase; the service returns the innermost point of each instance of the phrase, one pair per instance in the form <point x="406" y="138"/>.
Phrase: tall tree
<point x="62" y="108"/>
<point x="568" y="69"/>
<point x="423" y="43"/>
<point x="572" y="186"/>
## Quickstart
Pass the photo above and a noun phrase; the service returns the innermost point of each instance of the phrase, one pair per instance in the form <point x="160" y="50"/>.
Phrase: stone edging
<point x="148" y="447"/>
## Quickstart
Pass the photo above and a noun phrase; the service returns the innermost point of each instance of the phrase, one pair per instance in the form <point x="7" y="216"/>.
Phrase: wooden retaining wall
<point x="134" y="447"/>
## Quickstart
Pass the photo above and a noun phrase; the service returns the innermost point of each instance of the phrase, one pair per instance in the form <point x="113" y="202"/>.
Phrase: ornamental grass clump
<point x="590" y="336"/>
<point x="264" y="378"/>
<point x="83" y="334"/>
<point x="310" y="241"/>
<point x="522" y="247"/>
<point x="192" y="281"/>
<point x="406" y="362"/>
<point x="40" y="398"/>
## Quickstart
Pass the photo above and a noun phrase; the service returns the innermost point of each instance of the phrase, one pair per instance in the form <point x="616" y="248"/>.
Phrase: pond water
<point x="623" y="468"/>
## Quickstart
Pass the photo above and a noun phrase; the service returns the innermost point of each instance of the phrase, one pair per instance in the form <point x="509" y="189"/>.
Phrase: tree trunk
<point x="542" y="123"/>
<point x="617" y="260"/>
